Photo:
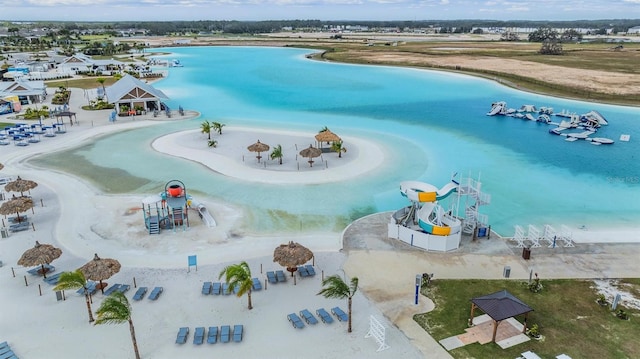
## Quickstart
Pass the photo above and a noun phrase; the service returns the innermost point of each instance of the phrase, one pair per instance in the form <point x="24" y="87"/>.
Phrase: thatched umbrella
<point x="40" y="255"/>
<point x="1" y="166"/>
<point x="258" y="147"/>
<point x="100" y="269"/>
<point x="16" y="205"/>
<point x="327" y="136"/>
<point x="310" y="153"/>
<point x="292" y="255"/>
<point x="20" y="185"/>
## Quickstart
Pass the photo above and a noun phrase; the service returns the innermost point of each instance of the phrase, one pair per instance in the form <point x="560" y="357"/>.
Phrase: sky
<point x="326" y="10"/>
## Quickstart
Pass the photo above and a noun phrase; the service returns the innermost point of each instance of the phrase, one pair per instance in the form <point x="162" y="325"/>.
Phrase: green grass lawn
<point x="83" y="83"/>
<point x="569" y="318"/>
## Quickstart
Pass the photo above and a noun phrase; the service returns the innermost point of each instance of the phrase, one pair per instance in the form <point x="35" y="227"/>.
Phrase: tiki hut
<point x="258" y="147"/>
<point x="40" y="255"/>
<point x="292" y="255"/>
<point x="327" y="136"/>
<point x="100" y="269"/>
<point x="16" y="205"/>
<point x="20" y="185"/>
<point x="311" y="153"/>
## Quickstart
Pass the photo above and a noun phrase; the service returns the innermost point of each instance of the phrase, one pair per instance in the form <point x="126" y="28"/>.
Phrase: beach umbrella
<point x="310" y="153"/>
<point x="327" y="136"/>
<point x="16" y="205"/>
<point x="40" y="255"/>
<point x="258" y="147"/>
<point x="291" y="255"/>
<point x="20" y="185"/>
<point x="100" y="269"/>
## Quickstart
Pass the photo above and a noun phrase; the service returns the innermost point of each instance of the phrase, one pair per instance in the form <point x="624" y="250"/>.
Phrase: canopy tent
<point x="69" y="114"/>
<point x="500" y="306"/>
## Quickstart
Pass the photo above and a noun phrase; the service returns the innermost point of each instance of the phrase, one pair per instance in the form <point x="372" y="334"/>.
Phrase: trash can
<point x="526" y="253"/>
<point x="506" y="272"/>
<point x="4" y="233"/>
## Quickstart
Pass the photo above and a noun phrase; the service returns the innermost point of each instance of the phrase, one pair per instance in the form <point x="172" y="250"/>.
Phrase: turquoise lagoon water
<point x="432" y="124"/>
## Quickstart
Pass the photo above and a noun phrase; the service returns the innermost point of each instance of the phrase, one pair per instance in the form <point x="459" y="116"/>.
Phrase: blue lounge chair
<point x="48" y="268"/>
<point x="237" y="333"/>
<point x="112" y="289"/>
<point x="271" y="276"/>
<point x="212" y="338"/>
<point x="236" y="289"/>
<point x="183" y="333"/>
<point x="198" y="336"/>
<point x="8" y="355"/>
<point x="310" y="270"/>
<point x="257" y="284"/>
<point x="206" y="288"/>
<point x="91" y="288"/>
<point x="124" y="288"/>
<point x="303" y="271"/>
<point x="140" y="293"/>
<point x="53" y="280"/>
<point x="226" y="289"/>
<point x="340" y="314"/>
<point x="324" y="316"/>
<point x="308" y="317"/>
<point x="216" y="287"/>
<point x="155" y="293"/>
<point x="295" y="321"/>
<point x="280" y="276"/>
<point x="225" y="333"/>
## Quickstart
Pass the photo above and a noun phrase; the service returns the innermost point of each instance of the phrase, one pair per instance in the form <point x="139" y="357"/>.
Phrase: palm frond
<point x="334" y="287"/>
<point x="70" y="280"/>
<point x="115" y="309"/>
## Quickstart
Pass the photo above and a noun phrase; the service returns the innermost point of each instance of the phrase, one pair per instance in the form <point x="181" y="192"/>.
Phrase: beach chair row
<point x="309" y="318"/>
<point x="225" y="334"/>
<point x="276" y="277"/>
<point x="218" y="288"/>
<point x="306" y="271"/>
<point x="6" y="352"/>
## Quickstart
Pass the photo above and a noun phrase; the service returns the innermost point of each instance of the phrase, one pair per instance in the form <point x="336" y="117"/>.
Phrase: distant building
<point x="634" y="30"/>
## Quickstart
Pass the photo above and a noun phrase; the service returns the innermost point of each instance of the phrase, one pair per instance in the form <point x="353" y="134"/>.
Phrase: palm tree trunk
<point x="133" y="338"/>
<point x="349" y="310"/>
<point x="86" y="297"/>
<point x="249" y="298"/>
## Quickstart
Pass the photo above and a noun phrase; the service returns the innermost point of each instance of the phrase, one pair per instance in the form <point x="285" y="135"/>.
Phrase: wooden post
<point x="322" y="275"/>
<point x="524" y="329"/>
<point x="40" y="289"/>
<point x="33" y="226"/>
<point x="260" y="268"/>
<point x="25" y="281"/>
<point x="294" y="278"/>
<point x="495" y="330"/>
<point x="473" y="308"/>
<point x="41" y="203"/>
<point x="265" y="284"/>
<point x="134" y="282"/>
<point x="13" y="272"/>
<point x="63" y="296"/>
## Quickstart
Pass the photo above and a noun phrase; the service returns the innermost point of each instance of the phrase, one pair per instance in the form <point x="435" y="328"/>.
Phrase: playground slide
<point x="494" y="111"/>
<point x="437" y="223"/>
<point x="204" y="214"/>
<point x="424" y="192"/>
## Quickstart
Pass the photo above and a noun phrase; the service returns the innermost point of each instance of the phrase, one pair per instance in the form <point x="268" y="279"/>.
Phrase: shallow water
<point x="432" y="124"/>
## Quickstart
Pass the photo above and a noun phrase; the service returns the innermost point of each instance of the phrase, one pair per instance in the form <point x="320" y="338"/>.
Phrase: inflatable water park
<point x="427" y="224"/>
<point x="572" y="126"/>
<point x="170" y="209"/>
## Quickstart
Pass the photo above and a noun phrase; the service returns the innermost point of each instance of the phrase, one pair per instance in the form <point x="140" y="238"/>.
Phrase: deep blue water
<point x="432" y="123"/>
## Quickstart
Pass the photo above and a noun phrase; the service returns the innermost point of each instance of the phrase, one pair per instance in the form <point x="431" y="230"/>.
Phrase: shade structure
<point x="16" y="205"/>
<point x="258" y="147"/>
<point x="311" y="153"/>
<point x="327" y="136"/>
<point x="1" y="166"/>
<point x="20" y="185"/>
<point x="100" y="269"/>
<point x="291" y="255"/>
<point x="40" y="255"/>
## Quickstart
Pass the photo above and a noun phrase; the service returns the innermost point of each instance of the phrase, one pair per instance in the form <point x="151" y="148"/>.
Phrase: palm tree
<point x="75" y="280"/>
<point x="115" y="309"/>
<point x="206" y="128"/>
<point x="101" y="81"/>
<point x="335" y="287"/>
<point x="337" y="147"/>
<point x="217" y="126"/>
<point x="277" y="153"/>
<point x="324" y="129"/>
<point x="239" y="276"/>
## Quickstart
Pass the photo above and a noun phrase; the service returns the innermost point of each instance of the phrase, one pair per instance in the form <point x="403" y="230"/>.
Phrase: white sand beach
<point x="76" y="217"/>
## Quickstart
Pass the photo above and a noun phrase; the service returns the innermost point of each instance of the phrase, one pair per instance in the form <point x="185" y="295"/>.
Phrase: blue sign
<point x="193" y="261"/>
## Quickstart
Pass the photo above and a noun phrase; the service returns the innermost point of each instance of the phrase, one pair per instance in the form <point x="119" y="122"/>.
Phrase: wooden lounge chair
<point x="198" y="336"/>
<point x="271" y="276"/>
<point x="308" y="317"/>
<point x="310" y="270"/>
<point x="183" y="333"/>
<point x="257" y="284"/>
<point x="340" y="314"/>
<point x="225" y="333"/>
<point x="216" y="287"/>
<point x="324" y="316"/>
<point x="238" y="330"/>
<point x="280" y="276"/>
<point x="212" y="338"/>
<point x="155" y="293"/>
<point x="295" y="321"/>
<point x="140" y="293"/>
<point x="206" y="288"/>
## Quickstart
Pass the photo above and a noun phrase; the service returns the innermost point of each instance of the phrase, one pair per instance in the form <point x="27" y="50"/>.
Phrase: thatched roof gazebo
<point x="327" y="136"/>
<point x="258" y="147"/>
<point x="311" y="153"/>
<point x="100" y="269"/>
<point x="500" y="306"/>
<point x="20" y="185"/>
<point x="40" y="255"/>
<point x="291" y="255"/>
